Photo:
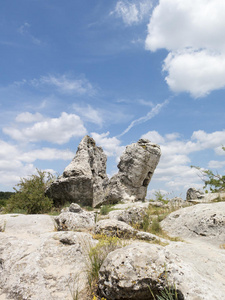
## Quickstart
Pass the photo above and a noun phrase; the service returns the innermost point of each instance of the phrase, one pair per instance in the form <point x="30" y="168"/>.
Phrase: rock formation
<point x="206" y="221"/>
<point x="75" y="218"/>
<point x="136" y="167"/>
<point x="196" y="196"/>
<point x="84" y="179"/>
<point x="193" y="193"/>
<point x="38" y="263"/>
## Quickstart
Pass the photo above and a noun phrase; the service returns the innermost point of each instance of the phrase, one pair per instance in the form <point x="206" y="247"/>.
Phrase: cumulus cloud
<point x="27" y="117"/>
<point x="111" y="145"/>
<point x="174" y="166"/>
<point x="89" y="114"/>
<point x="194" y="36"/>
<point x="16" y="162"/>
<point x="133" y="12"/>
<point x="46" y="154"/>
<point x="56" y="130"/>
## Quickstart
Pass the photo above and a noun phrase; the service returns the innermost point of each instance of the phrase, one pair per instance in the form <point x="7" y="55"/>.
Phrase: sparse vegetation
<point x="29" y="196"/>
<point x="215" y="182"/>
<point x="96" y="257"/>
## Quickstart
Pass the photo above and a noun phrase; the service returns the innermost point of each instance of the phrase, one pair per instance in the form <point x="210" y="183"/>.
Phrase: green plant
<point x="30" y="196"/>
<point x="97" y="255"/>
<point x="155" y="226"/>
<point x="169" y="293"/>
<point x="73" y="284"/>
<point x="160" y="197"/>
<point x="215" y="182"/>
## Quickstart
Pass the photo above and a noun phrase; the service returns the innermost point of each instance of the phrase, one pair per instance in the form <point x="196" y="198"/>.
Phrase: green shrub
<point x="30" y="196"/>
<point x="105" y="209"/>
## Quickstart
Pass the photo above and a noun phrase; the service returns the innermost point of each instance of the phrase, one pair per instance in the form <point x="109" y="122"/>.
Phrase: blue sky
<point x="117" y="71"/>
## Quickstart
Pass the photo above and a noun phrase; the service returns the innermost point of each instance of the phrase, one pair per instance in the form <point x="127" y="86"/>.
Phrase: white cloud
<point x="174" y="166"/>
<point x="215" y="164"/>
<point x="133" y="12"/>
<point x="28" y="117"/>
<point x="194" y="36"/>
<point x="16" y="162"/>
<point x="46" y="154"/>
<point x="197" y="72"/>
<point x="111" y="146"/>
<point x="89" y="114"/>
<point x="56" y="130"/>
<point x="65" y="84"/>
<point x="154" y="137"/>
<point x="209" y="140"/>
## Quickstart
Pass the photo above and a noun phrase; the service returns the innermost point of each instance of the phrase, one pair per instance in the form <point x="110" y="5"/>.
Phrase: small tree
<point x="30" y="194"/>
<point x="216" y="182"/>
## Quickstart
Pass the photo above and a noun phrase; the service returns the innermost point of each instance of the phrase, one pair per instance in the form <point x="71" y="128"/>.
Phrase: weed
<point x="222" y="246"/>
<point x="155" y="227"/>
<point x="73" y="284"/>
<point x="96" y="257"/>
<point x="105" y="209"/>
<point x="169" y="293"/>
<point x="2" y="228"/>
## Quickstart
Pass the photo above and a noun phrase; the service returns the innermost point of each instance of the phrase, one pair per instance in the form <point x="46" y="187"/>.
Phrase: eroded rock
<point x="136" y="167"/>
<point x="84" y="179"/>
<point x="75" y="219"/>
<point x="130" y="272"/>
<point x="38" y="263"/>
<point x="131" y="216"/>
<point x="205" y="221"/>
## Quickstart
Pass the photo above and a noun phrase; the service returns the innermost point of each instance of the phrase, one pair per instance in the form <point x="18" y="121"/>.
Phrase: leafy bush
<point x="4" y="196"/>
<point x="30" y="196"/>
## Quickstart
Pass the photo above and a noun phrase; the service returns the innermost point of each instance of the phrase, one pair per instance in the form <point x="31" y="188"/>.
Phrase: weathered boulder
<point x="130" y="272"/>
<point x="84" y="179"/>
<point x="115" y="228"/>
<point x="201" y="220"/>
<point x="75" y="219"/>
<point x="136" y="167"/>
<point x="131" y="216"/>
<point x="197" y="196"/>
<point x="193" y="193"/>
<point x="38" y="263"/>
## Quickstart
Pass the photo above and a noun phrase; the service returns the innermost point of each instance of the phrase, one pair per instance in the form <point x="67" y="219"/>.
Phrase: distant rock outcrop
<point x="84" y="179"/>
<point x="197" y="196"/>
<point x="136" y="167"/>
<point x="193" y="193"/>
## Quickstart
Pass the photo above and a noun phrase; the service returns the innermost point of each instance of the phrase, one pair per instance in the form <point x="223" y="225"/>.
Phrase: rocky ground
<point x="42" y="258"/>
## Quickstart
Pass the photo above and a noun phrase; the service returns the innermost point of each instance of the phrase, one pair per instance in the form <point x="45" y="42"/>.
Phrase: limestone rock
<point x="128" y="273"/>
<point x="115" y="228"/>
<point x="206" y="221"/>
<point x="136" y="167"/>
<point x="75" y="219"/>
<point x="193" y="193"/>
<point x="200" y="197"/>
<point x="131" y="216"/>
<point x="84" y="179"/>
<point x="38" y="263"/>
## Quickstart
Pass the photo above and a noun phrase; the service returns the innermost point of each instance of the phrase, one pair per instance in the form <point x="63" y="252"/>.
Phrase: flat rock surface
<point x="202" y="221"/>
<point x="38" y="263"/>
